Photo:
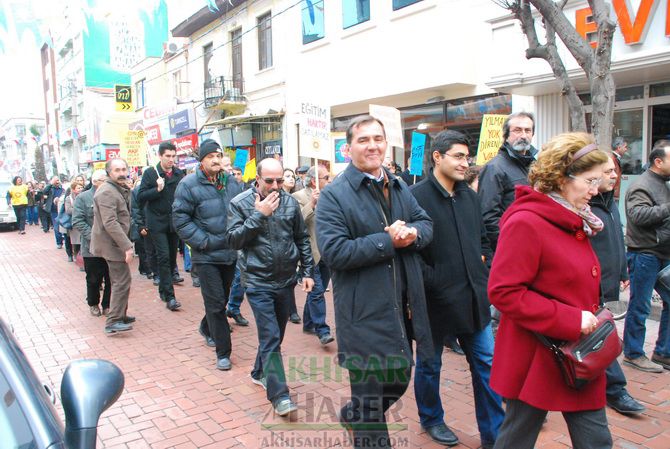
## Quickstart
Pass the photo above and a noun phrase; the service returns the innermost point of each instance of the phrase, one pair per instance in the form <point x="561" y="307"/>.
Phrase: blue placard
<point x="416" y="161"/>
<point x="241" y="157"/>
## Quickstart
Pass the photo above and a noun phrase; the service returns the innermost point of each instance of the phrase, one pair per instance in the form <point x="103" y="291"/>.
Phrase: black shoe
<point x="59" y="246"/>
<point x="294" y="318"/>
<point x="209" y="341"/>
<point x="196" y="283"/>
<point x="117" y="327"/>
<point x="176" y="279"/>
<point x="625" y="404"/>
<point x="157" y="280"/>
<point x="238" y="318"/>
<point x="150" y="275"/>
<point x="452" y="344"/>
<point x="442" y="434"/>
<point x="70" y="259"/>
<point x="325" y="339"/>
<point x="173" y="304"/>
<point x="128" y="319"/>
<point x="224" y="364"/>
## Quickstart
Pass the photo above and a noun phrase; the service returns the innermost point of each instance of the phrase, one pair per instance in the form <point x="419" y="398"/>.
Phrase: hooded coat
<point x="544" y="275"/>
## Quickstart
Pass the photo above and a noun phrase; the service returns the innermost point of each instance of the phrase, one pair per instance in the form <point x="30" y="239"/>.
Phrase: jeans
<point x="372" y="394"/>
<point x="236" y="293"/>
<point x="215" y="283"/>
<point x="57" y="234"/>
<point x="187" y="258"/>
<point x="20" y="212"/>
<point x="271" y="311"/>
<point x="97" y="271"/>
<point x="478" y="348"/>
<point x="643" y="269"/>
<point x="314" y="314"/>
<point x="31" y="212"/>
<point x="588" y="429"/>
<point x="165" y="244"/>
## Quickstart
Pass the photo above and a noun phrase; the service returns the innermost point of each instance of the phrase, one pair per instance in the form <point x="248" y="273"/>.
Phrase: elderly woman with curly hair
<point x="545" y="279"/>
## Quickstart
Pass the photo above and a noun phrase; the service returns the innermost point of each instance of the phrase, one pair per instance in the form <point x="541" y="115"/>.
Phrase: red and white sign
<point x="153" y="113"/>
<point x="153" y="134"/>
<point x="112" y="153"/>
<point x="186" y="144"/>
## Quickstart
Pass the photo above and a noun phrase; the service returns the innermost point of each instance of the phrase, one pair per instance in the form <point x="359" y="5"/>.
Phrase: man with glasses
<point x="266" y="226"/>
<point x="647" y="213"/>
<point x="508" y="169"/>
<point x="314" y="314"/>
<point x="455" y="280"/>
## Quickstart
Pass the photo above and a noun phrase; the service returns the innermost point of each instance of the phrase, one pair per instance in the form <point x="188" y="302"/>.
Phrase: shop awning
<point x="246" y="119"/>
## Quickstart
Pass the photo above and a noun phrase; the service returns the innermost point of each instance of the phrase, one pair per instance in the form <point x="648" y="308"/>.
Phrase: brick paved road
<point x="175" y="398"/>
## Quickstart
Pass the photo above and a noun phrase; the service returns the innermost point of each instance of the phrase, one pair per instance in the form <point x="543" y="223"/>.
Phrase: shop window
<point x="659" y="90"/>
<point x="398" y="4"/>
<point x="629" y="93"/>
<point x="265" y="41"/>
<point x="627" y="124"/>
<point x="139" y="94"/>
<point x="313" y="25"/>
<point x="355" y="12"/>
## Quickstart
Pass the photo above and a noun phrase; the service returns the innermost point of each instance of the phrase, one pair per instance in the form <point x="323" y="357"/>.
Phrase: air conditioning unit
<point x="172" y="47"/>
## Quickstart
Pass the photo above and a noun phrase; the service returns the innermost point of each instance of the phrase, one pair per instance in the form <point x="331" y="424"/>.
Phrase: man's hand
<point x="315" y="197"/>
<point x="160" y="183"/>
<point x="624" y="285"/>
<point x="268" y="205"/>
<point x="307" y="284"/>
<point x="129" y="255"/>
<point x="144" y="232"/>
<point x="401" y="235"/>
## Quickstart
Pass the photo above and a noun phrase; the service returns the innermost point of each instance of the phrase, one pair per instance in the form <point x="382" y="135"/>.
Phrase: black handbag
<point x="583" y="360"/>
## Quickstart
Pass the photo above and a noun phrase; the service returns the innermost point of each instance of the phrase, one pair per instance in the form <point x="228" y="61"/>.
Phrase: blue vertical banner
<point x="241" y="157"/>
<point x="416" y="160"/>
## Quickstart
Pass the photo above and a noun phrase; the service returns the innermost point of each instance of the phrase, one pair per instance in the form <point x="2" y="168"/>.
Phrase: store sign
<point x="271" y="149"/>
<point x="633" y="27"/>
<point x="186" y="144"/>
<point x="181" y="121"/>
<point x="314" y="136"/>
<point x="112" y="153"/>
<point x="153" y="134"/>
<point x="153" y="113"/>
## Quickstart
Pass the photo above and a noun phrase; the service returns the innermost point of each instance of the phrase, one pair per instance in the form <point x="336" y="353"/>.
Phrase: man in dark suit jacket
<point x="456" y="277"/>
<point x="157" y="194"/>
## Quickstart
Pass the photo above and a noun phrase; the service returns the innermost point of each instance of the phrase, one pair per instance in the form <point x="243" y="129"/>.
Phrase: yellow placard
<point x="133" y="148"/>
<point x="490" y="138"/>
<point x="99" y="165"/>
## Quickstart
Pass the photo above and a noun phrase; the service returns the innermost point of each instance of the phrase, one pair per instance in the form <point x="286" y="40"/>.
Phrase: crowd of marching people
<point x="527" y="248"/>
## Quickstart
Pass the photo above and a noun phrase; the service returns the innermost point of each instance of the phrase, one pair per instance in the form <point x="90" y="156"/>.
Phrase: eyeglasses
<point x="270" y="181"/>
<point x="593" y="183"/>
<point x="325" y="178"/>
<point x="458" y="156"/>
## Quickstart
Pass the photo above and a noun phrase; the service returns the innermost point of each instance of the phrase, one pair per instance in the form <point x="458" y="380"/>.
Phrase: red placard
<point x="186" y="144"/>
<point x="153" y="134"/>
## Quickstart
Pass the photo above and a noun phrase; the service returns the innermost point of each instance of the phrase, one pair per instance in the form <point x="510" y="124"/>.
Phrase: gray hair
<point x="98" y="175"/>
<point x="618" y="142"/>
<point x="505" y="126"/>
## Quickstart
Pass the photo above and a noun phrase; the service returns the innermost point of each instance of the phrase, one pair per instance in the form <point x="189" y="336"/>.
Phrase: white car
<point x="7" y="216"/>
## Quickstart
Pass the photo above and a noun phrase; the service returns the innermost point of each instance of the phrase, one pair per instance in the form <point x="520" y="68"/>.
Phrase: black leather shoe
<point x="325" y="339"/>
<point x="196" y="282"/>
<point x="442" y="434"/>
<point x="157" y="280"/>
<point x="176" y="279"/>
<point x="238" y="318"/>
<point x="209" y="341"/>
<point x="128" y="319"/>
<point x="294" y="318"/>
<point x="224" y="364"/>
<point x="173" y="304"/>
<point x="625" y="404"/>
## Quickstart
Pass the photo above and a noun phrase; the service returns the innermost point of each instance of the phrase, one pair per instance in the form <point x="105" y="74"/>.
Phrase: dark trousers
<point x="588" y="429"/>
<point x="150" y="254"/>
<point x="166" y="245"/>
<point x="616" y="380"/>
<point x="68" y="245"/>
<point x="45" y="219"/>
<point x="20" y="212"/>
<point x="372" y="394"/>
<point x="215" y="281"/>
<point x="97" y="271"/>
<point x="57" y="234"/>
<point x="143" y="265"/>
<point x="314" y="314"/>
<point x="271" y="311"/>
<point x="119" y="274"/>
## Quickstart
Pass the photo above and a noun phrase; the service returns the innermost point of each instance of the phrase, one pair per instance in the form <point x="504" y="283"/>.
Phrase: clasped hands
<point x="401" y="235"/>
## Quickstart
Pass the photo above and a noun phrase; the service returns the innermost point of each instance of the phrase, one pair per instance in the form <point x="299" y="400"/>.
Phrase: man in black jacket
<point x="370" y="230"/>
<point x="608" y="246"/>
<point x="508" y="169"/>
<point x="266" y="225"/>
<point x="157" y="193"/>
<point x="199" y="214"/>
<point x="456" y="277"/>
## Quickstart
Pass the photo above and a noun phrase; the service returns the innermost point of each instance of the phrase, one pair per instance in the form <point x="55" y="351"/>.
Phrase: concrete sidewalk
<point x="175" y="398"/>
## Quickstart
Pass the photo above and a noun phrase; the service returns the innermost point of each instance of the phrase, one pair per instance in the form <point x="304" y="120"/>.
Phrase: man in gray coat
<point x="95" y="267"/>
<point x="647" y="212"/>
<point x="109" y="240"/>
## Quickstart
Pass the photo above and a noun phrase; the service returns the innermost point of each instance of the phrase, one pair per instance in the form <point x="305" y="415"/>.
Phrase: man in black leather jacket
<point x="266" y="225"/>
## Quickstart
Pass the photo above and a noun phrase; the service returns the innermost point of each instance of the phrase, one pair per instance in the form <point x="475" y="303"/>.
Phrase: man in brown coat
<point x="109" y="240"/>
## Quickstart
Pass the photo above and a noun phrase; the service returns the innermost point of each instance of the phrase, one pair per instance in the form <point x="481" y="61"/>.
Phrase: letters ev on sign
<point x="123" y="97"/>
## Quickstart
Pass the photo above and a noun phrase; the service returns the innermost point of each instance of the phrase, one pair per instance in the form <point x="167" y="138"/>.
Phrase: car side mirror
<point x="88" y="388"/>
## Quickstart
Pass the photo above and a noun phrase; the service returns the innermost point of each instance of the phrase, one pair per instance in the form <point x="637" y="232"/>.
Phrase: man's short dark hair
<point x="165" y="146"/>
<point x="361" y="120"/>
<point x="658" y="151"/>
<point x="445" y="140"/>
<point x="618" y="142"/>
<point x="505" y="126"/>
<point x="238" y="169"/>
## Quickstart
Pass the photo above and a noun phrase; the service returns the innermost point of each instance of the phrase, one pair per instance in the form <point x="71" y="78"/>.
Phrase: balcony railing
<point x="224" y="89"/>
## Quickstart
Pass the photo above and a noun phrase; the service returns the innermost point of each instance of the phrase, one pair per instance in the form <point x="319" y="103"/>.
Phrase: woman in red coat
<point x="545" y="278"/>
